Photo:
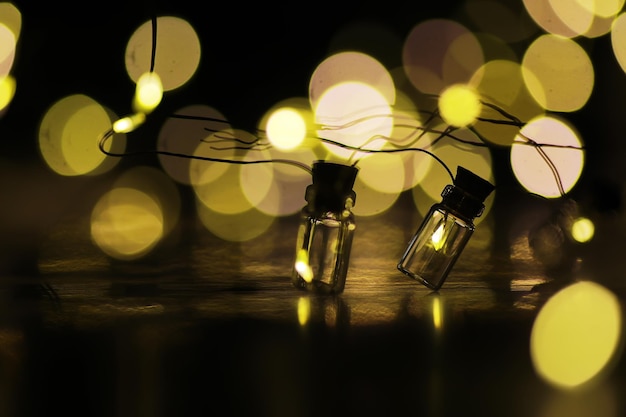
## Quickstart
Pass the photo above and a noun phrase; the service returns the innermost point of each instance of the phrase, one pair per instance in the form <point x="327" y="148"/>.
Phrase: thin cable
<point x="154" y="43"/>
<point x="549" y="162"/>
<point x="110" y="134"/>
<point x="358" y="149"/>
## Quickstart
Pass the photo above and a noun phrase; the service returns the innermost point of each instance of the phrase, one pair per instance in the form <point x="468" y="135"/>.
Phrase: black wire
<point x="154" y="43"/>
<point x="549" y="162"/>
<point x="356" y="148"/>
<point x="110" y="133"/>
<point x="512" y="120"/>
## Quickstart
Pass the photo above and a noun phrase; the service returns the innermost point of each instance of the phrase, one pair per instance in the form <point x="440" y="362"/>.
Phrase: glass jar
<point x="326" y="230"/>
<point x="445" y="230"/>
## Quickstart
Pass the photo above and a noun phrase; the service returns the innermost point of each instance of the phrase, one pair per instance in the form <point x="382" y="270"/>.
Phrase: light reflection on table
<point x="207" y="325"/>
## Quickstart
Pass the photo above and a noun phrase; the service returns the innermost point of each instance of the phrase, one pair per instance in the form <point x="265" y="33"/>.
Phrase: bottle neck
<point x="320" y="201"/>
<point x="461" y="203"/>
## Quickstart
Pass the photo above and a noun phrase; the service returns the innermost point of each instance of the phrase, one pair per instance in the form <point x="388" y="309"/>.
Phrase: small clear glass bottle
<point x="445" y="230"/>
<point x="326" y="230"/>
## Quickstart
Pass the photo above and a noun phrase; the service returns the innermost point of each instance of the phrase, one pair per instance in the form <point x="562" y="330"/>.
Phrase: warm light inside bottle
<point x="438" y="237"/>
<point x="303" y="267"/>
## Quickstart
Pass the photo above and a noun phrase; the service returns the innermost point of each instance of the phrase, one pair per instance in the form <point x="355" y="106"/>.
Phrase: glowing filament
<point x="148" y="93"/>
<point x="438" y="238"/>
<point x="303" y="267"/>
<point x="128" y="123"/>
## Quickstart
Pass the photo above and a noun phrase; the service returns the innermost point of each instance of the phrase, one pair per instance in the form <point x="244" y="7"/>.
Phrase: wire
<point x="154" y="43"/>
<point x="110" y="134"/>
<point x="509" y="119"/>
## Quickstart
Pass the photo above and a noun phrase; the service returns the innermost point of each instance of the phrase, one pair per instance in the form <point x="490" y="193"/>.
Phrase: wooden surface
<point x="208" y="327"/>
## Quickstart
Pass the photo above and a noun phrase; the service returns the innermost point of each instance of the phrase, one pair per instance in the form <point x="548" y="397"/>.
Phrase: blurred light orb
<point x="234" y="227"/>
<point x="68" y="135"/>
<point x="350" y="67"/>
<point x="501" y="80"/>
<point x="355" y="115"/>
<point x="459" y="105"/>
<point x="286" y="129"/>
<point x="618" y="40"/>
<point x="583" y="230"/>
<point x="11" y="17"/>
<point x="546" y="157"/>
<point x="558" y="73"/>
<point x="185" y="135"/>
<point x="148" y="93"/>
<point x="126" y="223"/>
<point x="576" y="335"/>
<point x="8" y="46"/>
<point x="128" y="123"/>
<point x="7" y="91"/>
<point x="177" y="51"/>
<point x="438" y="53"/>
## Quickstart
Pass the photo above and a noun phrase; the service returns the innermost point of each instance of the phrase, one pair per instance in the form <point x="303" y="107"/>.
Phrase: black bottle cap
<point x="332" y="185"/>
<point x="467" y="194"/>
<point x="472" y="184"/>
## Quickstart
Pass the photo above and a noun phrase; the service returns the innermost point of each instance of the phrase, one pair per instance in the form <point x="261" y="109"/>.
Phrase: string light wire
<point x="509" y="119"/>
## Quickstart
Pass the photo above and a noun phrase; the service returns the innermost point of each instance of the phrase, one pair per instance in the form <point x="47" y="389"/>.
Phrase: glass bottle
<point x="326" y="229"/>
<point x="445" y="230"/>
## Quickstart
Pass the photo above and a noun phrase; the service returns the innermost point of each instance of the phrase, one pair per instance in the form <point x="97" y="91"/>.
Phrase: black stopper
<point x="468" y="193"/>
<point x="332" y="185"/>
<point x="472" y="184"/>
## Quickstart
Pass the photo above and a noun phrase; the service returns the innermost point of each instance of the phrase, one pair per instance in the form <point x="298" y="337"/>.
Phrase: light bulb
<point x="446" y="229"/>
<point x="148" y="92"/>
<point x="129" y="123"/>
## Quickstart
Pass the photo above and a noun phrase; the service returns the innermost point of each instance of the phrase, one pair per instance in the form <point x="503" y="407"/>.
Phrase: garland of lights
<point x="453" y="210"/>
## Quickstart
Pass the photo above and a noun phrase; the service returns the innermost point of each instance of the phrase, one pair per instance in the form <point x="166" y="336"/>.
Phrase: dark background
<point x="188" y="332"/>
<point x="254" y="56"/>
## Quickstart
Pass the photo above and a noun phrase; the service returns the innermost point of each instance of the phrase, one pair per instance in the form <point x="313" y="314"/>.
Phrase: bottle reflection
<point x="429" y="314"/>
<point x="330" y="312"/>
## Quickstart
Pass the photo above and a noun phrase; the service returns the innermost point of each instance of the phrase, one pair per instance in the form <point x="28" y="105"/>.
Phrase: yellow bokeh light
<point x="286" y="129"/>
<point x="148" y="93"/>
<point x="234" y="227"/>
<point x="355" y="115"/>
<point x="576" y="335"/>
<point x="177" y="51"/>
<point x="7" y="91"/>
<point x="11" y="17"/>
<point x="129" y="123"/>
<point x="185" y="133"/>
<point x="350" y="67"/>
<point x="558" y="73"/>
<point x="503" y="83"/>
<point x="583" y="229"/>
<point x="8" y="45"/>
<point x="459" y="105"/>
<point x="304" y="310"/>
<point x="68" y="135"/>
<point x="555" y="164"/>
<point x="126" y="223"/>
<point x="618" y="40"/>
